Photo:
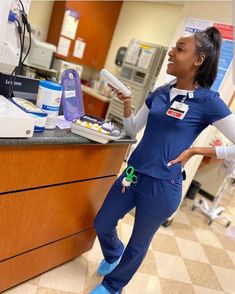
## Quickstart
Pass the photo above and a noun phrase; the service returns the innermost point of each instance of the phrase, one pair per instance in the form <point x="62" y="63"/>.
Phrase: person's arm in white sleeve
<point x="133" y="124"/>
<point x="227" y="127"/>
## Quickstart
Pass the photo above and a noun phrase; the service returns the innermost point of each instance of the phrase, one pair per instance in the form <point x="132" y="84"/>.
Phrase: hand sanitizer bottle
<point x="72" y="98"/>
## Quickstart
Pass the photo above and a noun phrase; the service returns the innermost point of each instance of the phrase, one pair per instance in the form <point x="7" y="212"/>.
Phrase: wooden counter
<point x="49" y="196"/>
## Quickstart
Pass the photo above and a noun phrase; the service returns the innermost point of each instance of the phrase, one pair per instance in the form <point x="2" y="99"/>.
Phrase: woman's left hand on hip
<point x="182" y="158"/>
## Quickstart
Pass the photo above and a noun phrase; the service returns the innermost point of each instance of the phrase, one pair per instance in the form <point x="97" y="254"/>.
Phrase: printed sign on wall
<point x="226" y="52"/>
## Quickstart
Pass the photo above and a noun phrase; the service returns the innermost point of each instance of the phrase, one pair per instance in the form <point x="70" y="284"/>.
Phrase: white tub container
<point x="49" y="98"/>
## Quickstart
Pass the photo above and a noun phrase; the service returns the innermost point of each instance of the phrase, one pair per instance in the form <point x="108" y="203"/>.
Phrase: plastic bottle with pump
<point x="72" y="98"/>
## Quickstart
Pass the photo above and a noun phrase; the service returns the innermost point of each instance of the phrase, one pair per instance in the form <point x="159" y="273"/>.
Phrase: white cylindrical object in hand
<point x="114" y="82"/>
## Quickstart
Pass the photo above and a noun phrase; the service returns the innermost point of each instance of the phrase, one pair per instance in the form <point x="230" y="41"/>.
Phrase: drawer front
<point x="35" y="166"/>
<point x="33" y="218"/>
<point x="25" y="266"/>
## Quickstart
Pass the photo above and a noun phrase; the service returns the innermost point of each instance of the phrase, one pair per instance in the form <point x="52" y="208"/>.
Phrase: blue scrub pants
<point x="155" y="200"/>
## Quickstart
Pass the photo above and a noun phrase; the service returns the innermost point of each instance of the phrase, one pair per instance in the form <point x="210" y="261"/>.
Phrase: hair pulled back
<point x="208" y="43"/>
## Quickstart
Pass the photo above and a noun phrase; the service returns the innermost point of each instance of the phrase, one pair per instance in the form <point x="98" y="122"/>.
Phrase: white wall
<point x="148" y="21"/>
<point x="40" y="14"/>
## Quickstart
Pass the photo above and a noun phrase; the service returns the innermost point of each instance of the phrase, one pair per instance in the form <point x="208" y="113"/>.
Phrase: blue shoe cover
<point x="106" y="268"/>
<point x="100" y="289"/>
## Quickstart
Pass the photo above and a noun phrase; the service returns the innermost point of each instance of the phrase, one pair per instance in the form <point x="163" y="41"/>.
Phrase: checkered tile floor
<point x="187" y="257"/>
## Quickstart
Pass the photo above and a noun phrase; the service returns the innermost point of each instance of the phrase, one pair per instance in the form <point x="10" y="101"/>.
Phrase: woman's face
<point x="183" y="60"/>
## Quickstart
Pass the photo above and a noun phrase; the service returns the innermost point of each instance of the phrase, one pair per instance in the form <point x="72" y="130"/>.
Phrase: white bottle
<point x="114" y="82"/>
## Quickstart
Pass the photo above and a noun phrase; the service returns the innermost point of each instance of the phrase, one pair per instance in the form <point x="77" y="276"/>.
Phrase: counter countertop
<point x="56" y="136"/>
<point x="94" y="93"/>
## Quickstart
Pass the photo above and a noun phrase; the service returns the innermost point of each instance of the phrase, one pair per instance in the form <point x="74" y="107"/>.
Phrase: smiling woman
<point x="173" y="116"/>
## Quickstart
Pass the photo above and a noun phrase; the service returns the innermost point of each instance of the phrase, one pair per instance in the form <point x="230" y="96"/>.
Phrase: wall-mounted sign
<point x="63" y="46"/>
<point x="79" y="49"/>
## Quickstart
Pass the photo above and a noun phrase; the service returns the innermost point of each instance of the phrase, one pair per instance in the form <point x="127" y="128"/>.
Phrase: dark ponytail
<point x="208" y="42"/>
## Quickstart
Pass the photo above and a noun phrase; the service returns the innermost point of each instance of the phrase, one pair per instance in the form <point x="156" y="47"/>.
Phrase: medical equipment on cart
<point x="96" y="129"/>
<point x="215" y="211"/>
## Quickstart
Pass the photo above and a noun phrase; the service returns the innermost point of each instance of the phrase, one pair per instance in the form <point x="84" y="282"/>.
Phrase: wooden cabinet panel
<point x="96" y="26"/>
<point x="30" y="264"/>
<point x="32" y="166"/>
<point x="56" y="22"/>
<point x="94" y="106"/>
<point x="37" y="217"/>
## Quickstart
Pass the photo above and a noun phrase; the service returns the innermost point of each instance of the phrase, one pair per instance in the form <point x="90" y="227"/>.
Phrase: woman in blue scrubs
<point x="173" y="116"/>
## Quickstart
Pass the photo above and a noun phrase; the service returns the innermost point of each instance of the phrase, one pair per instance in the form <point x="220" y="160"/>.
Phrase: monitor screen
<point x="9" y="36"/>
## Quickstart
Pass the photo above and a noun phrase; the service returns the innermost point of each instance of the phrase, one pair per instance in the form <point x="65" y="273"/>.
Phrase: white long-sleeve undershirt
<point x="226" y="126"/>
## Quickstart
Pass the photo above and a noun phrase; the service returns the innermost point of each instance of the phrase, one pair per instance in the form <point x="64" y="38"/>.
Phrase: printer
<point x="41" y="54"/>
<point x="61" y="65"/>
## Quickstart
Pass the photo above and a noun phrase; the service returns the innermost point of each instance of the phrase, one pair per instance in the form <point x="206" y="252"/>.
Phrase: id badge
<point x="178" y="110"/>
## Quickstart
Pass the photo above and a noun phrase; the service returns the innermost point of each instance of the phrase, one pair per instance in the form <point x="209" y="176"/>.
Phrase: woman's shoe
<point x="100" y="289"/>
<point x="106" y="268"/>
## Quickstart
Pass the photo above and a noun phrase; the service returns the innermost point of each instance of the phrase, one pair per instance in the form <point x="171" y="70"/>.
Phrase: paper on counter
<point x="62" y="123"/>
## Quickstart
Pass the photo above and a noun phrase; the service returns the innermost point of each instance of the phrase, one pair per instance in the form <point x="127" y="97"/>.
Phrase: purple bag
<point x="72" y="98"/>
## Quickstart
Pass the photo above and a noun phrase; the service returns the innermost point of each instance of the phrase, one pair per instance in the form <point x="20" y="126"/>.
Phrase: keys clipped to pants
<point x="130" y="178"/>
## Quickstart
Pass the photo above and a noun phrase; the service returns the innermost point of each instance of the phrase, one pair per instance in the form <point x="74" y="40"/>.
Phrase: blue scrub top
<point x="166" y="137"/>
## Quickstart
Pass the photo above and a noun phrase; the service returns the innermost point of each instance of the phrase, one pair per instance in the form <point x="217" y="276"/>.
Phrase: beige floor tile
<point x="25" y="288"/>
<point x="149" y="265"/>
<point x="231" y="254"/>
<point x="196" y="218"/>
<point x="183" y="231"/>
<point x="218" y="256"/>
<point x="34" y="281"/>
<point x="206" y="236"/>
<point x="126" y="231"/>
<point x="191" y="250"/>
<point x="166" y="231"/>
<point x="42" y="290"/>
<point x="165" y="243"/>
<point x="173" y="287"/>
<point x="171" y="267"/>
<point x="128" y="219"/>
<point x="202" y="274"/>
<point x="202" y="290"/>
<point x="67" y="277"/>
<point x="143" y="284"/>
<point x="218" y="228"/>
<point x="181" y="217"/>
<point x="119" y="231"/>
<point x="227" y="242"/>
<point x="92" y="278"/>
<point x="230" y="231"/>
<point x="226" y="278"/>
<point x="95" y="254"/>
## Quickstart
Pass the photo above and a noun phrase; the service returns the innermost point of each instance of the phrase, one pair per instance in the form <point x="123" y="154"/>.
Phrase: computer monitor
<point x="9" y="37"/>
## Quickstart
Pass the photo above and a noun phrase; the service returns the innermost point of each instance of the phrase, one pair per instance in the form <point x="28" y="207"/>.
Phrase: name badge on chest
<point x="178" y="110"/>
